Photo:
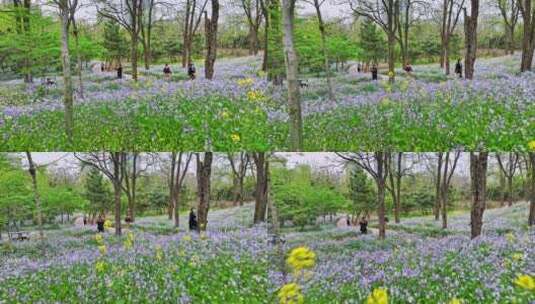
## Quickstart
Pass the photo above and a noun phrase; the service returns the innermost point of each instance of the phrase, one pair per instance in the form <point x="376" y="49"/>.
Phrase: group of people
<point x="363" y="223"/>
<point x="408" y="68"/>
<point x="193" y="224"/>
<point x="166" y="71"/>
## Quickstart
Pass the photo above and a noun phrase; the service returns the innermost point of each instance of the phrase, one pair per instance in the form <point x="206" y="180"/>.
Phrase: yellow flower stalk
<point x="531" y="145"/>
<point x="525" y="281"/>
<point x="301" y="258"/>
<point x="245" y="82"/>
<point x="100" y="266"/>
<point x="378" y="296"/>
<point x="290" y="294"/>
<point x="186" y="238"/>
<point x="455" y="301"/>
<point x="235" y="137"/>
<point x="102" y="249"/>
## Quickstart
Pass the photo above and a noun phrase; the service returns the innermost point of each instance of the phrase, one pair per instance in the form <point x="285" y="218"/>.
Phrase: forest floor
<point x="240" y="109"/>
<point x="419" y="262"/>
<point x="152" y="261"/>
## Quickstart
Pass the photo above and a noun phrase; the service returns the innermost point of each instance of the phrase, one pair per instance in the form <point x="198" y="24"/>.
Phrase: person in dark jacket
<point x="167" y="72"/>
<point x="191" y="71"/>
<point x="363" y="225"/>
<point x="374" y="72"/>
<point x="459" y="68"/>
<point x="192" y="220"/>
<point x="120" y="72"/>
<point x="100" y="224"/>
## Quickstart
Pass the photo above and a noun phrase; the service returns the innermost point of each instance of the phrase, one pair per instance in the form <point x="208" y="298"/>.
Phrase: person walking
<point x="120" y="72"/>
<point x="374" y="72"/>
<point x="192" y="220"/>
<point x="191" y="71"/>
<point x="167" y="72"/>
<point x="459" y="68"/>
<point x="363" y="225"/>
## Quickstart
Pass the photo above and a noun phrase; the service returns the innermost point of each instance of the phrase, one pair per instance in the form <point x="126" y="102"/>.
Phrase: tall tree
<point x="179" y="167"/>
<point x="290" y="59"/>
<point x="210" y="25"/>
<point x="261" y="189"/>
<point x="238" y="163"/>
<point x="147" y="20"/>
<point x="110" y="164"/>
<point x="192" y="19"/>
<point x="204" y="172"/>
<point x="470" y="38"/>
<point x="323" y="34"/>
<point x="451" y="10"/>
<point x="96" y="193"/>
<point x="253" y="14"/>
<point x="132" y="167"/>
<point x="527" y="9"/>
<point x="128" y="14"/>
<point x="404" y="21"/>
<point x="67" y="10"/>
<point x="376" y="164"/>
<point x="478" y="175"/>
<point x="531" y="168"/>
<point x="508" y="167"/>
<point x="273" y="59"/>
<point x="384" y="14"/>
<point x="448" y="168"/>
<point x="510" y="11"/>
<point x="396" y="171"/>
<point x="32" y="169"/>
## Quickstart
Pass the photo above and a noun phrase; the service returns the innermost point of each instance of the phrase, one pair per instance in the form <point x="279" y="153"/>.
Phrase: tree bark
<point x="261" y="188"/>
<point x="326" y="64"/>
<point x="68" y="102"/>
<point x="528" y="41"/>
<point x="470" y="32"/>
<point x="382" y="165"/>
<point x="211" y="39"/>
<point x="290" y="58"/>
<point x="204" y="171"/>
<point x="438" y="193"/>
<point x="531" y="218"/>
<point x="133" y="55"/>
<point x="478" y="174"/>
<point x="37" y="198"/>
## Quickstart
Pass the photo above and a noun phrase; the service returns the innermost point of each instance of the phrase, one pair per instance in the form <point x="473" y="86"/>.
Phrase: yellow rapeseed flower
<point x="159" y="253"/>
<point x="517" y="256"/>
<point x="525" y="281"/>
<point x="510" y="237"/>
<point x="455" y="301"/>
<point x="100" y="266"/>
<point x="99" y="239"/>
<point x="102" y="249"/>
<point x="255" y="95"/>
<point x="301" y="258"/>
<point x="129" y="242"/>
<point x="235" y="137"/>
<point x="225" y="114"/>
<point x="290" y="294"/>
<point x="378" y="296"/>
<point x="107" y="224"/>
<point x="531" y="145"/>
<point x="186" y="238"/>
<point x="245" y="82"/>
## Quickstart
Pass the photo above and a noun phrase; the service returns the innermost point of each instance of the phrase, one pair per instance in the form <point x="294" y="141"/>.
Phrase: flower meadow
<point x="339" y="265"/>
<point x="226" y="264"/>
<point x="241" y="110"/>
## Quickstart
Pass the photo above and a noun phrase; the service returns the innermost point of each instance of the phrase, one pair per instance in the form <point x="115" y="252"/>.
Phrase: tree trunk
<point x="204" y="171"/>
<point x="78" y="59"/>
<point x="67" y="80"/>
<point x="261" y="195"/>
<point x="528" y="41"/>
<point x="478" y="174"/>
<point x="470" y="32"/>
<point x="510" y="191"/>
<point x="176" y="201"/>
<point x="326" y="64"/>
<point x="531" y="219"/>
<point x="290" y="58"/>
<point x="117" y="201"/>
<point x="211" y="39"/>
<point x="37" y="198"/>
<point x="438" y="193"/>
<point x="391" y="56"/>
<point x="382" y="167"/>
<point x="134" y="56"/>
